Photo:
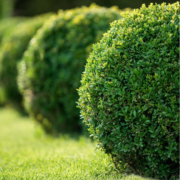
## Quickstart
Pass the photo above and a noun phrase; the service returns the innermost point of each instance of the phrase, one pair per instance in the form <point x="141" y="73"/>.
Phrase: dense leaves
<point x="51" y="68"/>
<point x="130" y="89"/>
<point x="5" y="27"/>
<point x="14" y="43"/>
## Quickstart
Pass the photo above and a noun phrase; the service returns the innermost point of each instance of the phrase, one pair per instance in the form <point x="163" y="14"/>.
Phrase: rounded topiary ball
<point x="14" y="43"/>
<point x="5" y="26"/>
<point x="51" y="68"/>
<point x="130" y="89"/>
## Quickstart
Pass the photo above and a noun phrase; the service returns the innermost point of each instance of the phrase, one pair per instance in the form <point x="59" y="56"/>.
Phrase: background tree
<point x="33" y="7"/>
<point x="6" y="8"/>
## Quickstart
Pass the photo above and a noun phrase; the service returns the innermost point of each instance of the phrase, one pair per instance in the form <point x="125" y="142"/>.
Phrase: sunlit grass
<point x="27" y="153"/>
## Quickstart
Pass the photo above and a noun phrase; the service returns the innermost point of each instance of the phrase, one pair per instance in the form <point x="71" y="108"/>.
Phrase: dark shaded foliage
<point x="32" y="7"/>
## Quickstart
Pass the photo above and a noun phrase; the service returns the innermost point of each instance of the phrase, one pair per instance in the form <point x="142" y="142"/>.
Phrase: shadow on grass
<point x="18" y="108"/>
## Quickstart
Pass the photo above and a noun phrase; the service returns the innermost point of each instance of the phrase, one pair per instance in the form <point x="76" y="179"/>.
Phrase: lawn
<point x="27" y="153"/>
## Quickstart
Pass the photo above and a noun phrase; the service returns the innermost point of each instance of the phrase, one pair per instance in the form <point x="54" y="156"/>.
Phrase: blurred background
<point x="35" y="7"/>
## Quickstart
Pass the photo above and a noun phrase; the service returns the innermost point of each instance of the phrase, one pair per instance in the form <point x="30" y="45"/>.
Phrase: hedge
<point x="14" y="43"/>
<point x="52" y="66"/>
<point x="129" y="94"/>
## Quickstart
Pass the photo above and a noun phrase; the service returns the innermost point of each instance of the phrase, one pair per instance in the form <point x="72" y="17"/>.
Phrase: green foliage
<point x="130" y="89"/>
<point x="51" y="68"/>
<point x="7" y="24"/>
<point x="14" y="43"/>
<point x="6" y="8"/>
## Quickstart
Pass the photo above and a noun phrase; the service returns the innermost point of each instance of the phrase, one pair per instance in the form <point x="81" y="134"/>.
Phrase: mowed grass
<point x="27" y="153"/>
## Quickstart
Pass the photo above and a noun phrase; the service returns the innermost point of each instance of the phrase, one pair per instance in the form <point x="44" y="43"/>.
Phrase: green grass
<point x="27" y="153"/>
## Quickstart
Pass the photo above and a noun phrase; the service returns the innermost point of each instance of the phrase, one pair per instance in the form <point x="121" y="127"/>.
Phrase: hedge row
<point x="5" y="27"/>
<point x="14" y="42"/>
<point x="54" y="61"/>
<point x="129" y="90"/>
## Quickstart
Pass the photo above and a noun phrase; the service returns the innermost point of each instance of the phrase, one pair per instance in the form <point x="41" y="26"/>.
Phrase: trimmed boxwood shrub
<point x="5" y="26"/>
<point x="51" y="68"/>
<point x="130" y="89"/>
<point x="14" y="44"/>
